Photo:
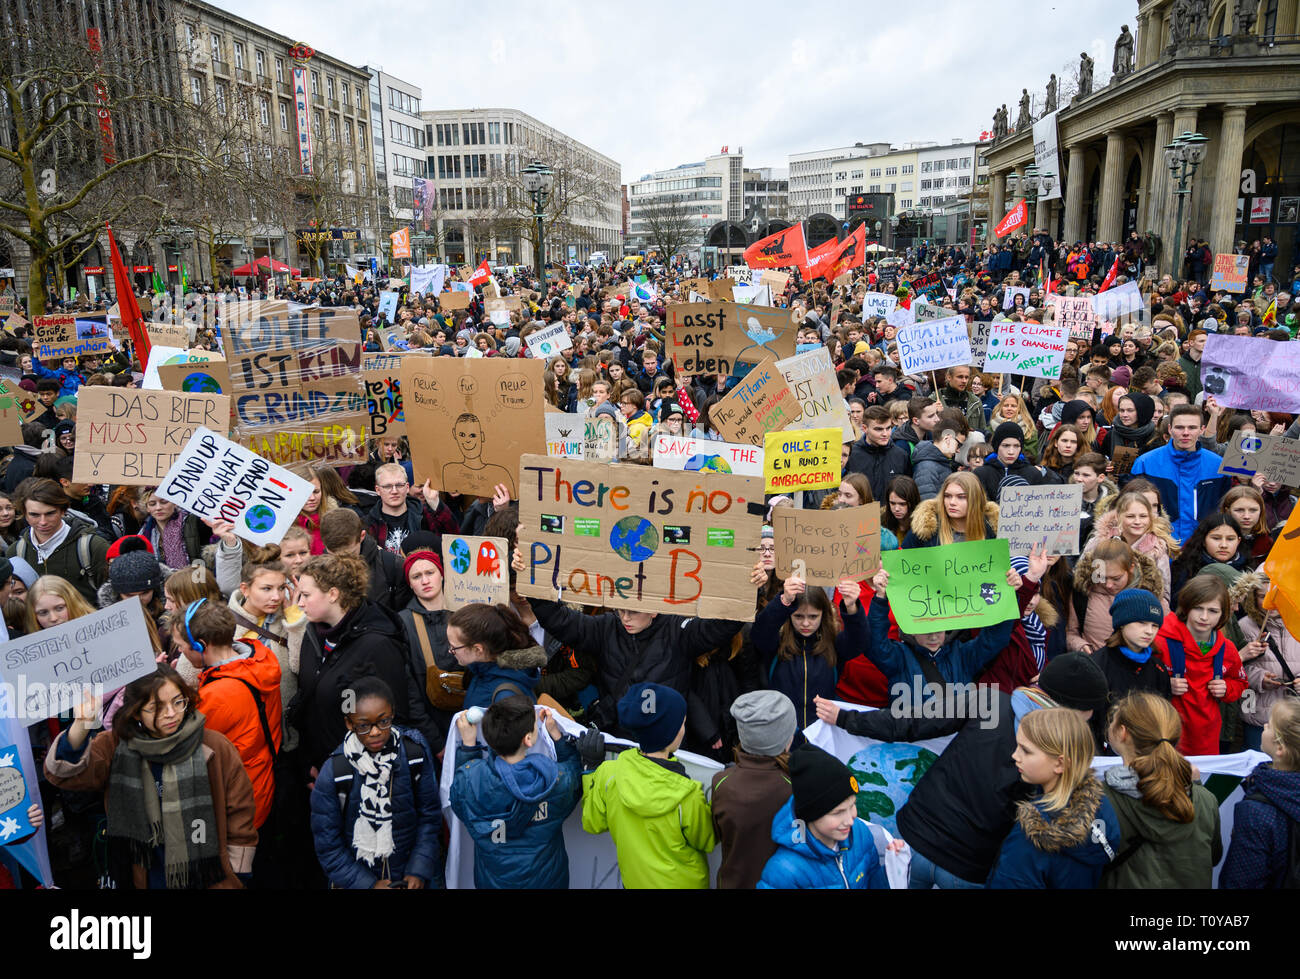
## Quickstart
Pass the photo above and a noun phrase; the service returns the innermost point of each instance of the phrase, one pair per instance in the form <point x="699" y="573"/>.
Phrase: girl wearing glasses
<point x="163" y="774"/>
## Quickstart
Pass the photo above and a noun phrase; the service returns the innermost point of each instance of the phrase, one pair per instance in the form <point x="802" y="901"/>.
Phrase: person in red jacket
<point x="239" y="691"/>
<point x="1204" y="667"/>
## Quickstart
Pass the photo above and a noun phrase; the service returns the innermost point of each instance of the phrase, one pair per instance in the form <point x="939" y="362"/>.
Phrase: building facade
<point x="1231" y="79"/>
<point x="482" y="210"/>
<point x="399" y="148"/>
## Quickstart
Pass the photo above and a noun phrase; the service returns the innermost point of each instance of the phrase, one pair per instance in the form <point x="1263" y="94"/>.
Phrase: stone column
<point x="1042" y="214"/>
<point x="1151" y="42"/>
<point x="1074" y="196"/>
<point x="1288" y="15"/>
<point x="1112" y="188"/>
<point x="1227" y="171"/>
<point x="1158" y="180"/>
<point x="997" y="202"/>
<point x="1184" y="122"/>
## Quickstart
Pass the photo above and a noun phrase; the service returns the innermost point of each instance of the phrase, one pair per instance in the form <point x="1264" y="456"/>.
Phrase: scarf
<point x="138" y="821"/>
<point x="1139" y="656"/>
<point x="1139" y="436"/>
<point x="172" y="542"/>
<point x="43" y="551"/>
<point x="372" y="833"/>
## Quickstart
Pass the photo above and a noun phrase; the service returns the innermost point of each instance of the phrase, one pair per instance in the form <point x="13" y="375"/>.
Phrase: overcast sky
<point x="657" y="84"/>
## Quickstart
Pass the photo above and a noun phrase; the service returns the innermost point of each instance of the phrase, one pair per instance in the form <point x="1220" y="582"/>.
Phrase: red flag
<point x="1017" y="217"/>
<point x="786" y="247"/>
<point x="481" y="274"/>
<point x="1109" y="281"/>
<point x="127" y="307"/>
<point x="849" y="254"/>
<point x="817" y="258"/>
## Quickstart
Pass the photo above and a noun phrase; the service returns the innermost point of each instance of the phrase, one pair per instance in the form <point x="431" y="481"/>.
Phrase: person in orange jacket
<point x="239" y="691"/>
<point x="1204" y="666"/>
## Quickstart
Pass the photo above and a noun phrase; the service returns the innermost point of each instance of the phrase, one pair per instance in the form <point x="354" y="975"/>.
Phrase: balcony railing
<point x="244" y="76"/>
<point x="220" y="68"/>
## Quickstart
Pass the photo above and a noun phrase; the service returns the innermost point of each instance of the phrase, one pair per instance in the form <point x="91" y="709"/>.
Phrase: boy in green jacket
<point x="655" y="812"/>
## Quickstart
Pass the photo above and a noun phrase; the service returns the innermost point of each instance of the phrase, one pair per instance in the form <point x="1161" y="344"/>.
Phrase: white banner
<point x="428" y="279"/>
<point x="549" y="341"/>
<point x="1118" y="301"/>
<point x="934" y="346"/>
<point x="1047" y="156"/>
<point x="685" y="454"/>
<point x="754" y="295"/>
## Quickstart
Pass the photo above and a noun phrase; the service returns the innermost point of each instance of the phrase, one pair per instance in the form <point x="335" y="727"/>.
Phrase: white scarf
<point x="372" y="834"/>
<point x="44" y="550"/>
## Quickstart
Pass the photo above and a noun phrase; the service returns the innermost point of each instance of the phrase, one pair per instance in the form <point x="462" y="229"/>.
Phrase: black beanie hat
<point x="1074" y="680"/>
<point x="1007" y="430"/>
<point x="135" y="571"/>
<point x="820" y="782"/>
<point x="1073" y="409"/>
<point x="1146" y="407"/>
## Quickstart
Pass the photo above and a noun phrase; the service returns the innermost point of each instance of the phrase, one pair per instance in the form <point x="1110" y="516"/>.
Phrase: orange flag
<point x="1283" y="569"/>
<point x="786" y="247"/>
<point x="848" y="254"/>
<point x="1017" y="217"/>
<point x="401" y="241"/>
<point x="817" y="258"/>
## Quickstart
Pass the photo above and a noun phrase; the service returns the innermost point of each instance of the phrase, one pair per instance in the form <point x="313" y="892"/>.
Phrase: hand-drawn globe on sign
<point x="459" y="555"/>
<point x="887" y="773"/>
<point x="260" y="518"/>
<point x="707" y="464"/>
<point x="199" y="383"/>
<point x="634" y="539"/>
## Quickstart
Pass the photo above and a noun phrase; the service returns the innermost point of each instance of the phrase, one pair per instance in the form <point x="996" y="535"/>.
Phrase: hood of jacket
<point x="529" y="658"/>
<point x="1148" y="573"/>
<point x="904" y="433"/>
<point x="1245" y="593"/>
<point x="1069" y="831"/>
<point x="929" y="452"/>
<point x="789" y="833"/>
<point x="1148" y="822"/>
<point x="494" y="799"/>
<point x="1280" y="788"/>
<point x="646" y="788"/>
<point x="925" y="518"/>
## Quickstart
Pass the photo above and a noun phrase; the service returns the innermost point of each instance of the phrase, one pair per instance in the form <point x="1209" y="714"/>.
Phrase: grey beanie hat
<point x="765" y="721"/>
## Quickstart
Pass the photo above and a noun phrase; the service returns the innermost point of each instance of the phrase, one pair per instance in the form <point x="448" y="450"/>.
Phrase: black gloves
<point x="591" y="748"/>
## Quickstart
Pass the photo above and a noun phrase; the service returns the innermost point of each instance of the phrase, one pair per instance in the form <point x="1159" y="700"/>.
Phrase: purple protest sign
<point x="1252" y="373"/>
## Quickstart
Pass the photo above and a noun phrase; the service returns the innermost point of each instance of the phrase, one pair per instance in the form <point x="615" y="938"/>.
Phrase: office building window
<point x="264" y="111"/>
<point x="196" y="90"/>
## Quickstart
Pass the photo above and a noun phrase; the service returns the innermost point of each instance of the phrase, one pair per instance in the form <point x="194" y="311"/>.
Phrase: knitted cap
<point x="653" y="713"/>
<point x="765" y="721"/>
<point x="1072" y="410"/>
<point x="1074" y="680"/>
<point x="21" y="569"/>
<point x="668" y="409"/>
<point x="1135" y="605"/>
<point x="127" y="544"/>
<point x="1122" y="375"/>
<point x="420" y="556"/>
<point x="1007" y="430"/>
<point x="135" y="571"/>
<point x="1145" y="405"/>
<point x="820" y="782"/>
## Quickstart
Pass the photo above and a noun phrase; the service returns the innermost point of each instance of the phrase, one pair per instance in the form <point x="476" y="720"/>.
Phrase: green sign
<point x="957" y="586"/>
<point x="586" y="527"/>
<point x="721" y="537"/>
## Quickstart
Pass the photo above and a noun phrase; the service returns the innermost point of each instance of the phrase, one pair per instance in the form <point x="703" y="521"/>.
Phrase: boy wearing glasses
<point x="397" y="515"/>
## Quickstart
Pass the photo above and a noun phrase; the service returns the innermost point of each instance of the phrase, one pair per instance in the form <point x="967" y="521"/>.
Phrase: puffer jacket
<point x="514" y="668"/>
<point x="1065" y="849"/>
<point x="1261" y="828"/>
<point x="803" y="861"/>
<point x="1189" y="483"/>
<point x="530" y="853"/>
<point x="416" y="812"/>
<point x="1095" y="601"/>
<point x="879" y="463"/>
<point x="1159" y="853"/>
<point x="288" y="626"/>
<point x="930" y="468"/>
<point x="805" y="675"/>
<point x="924" y="530"/>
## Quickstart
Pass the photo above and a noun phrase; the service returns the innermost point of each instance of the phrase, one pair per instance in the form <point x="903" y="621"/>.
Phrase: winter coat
<point x="229" y="706"/>
<point x="661" y="653"/>
<point x="1279" y="640"/>
<point x="418" y="517"/>
<point x="65" y="561"/>
<point x="1189" y="484"/>
<point x="1197" y="708"/>
<point x="1260" y="845"/>
<point x="289" y="625"/>
<point x="193" y="534"/>
<point x="487" y="682"/>
<point x="416" y="812"/>
<point x="233" y="805"/>
<point x="1095" y="628"/>
<point x="994" y="473"/>
<point x="1125" y="675"/>
<point x="530" y="852"/>
<point x="930" y="468"/>
<point x="1164" y="854"/>
<point x="22" y="465"/>
<point x="805" y="675"/>
<point x="658" y="817"/>
<point x="1154" y="544"/>
<point x="745" y="797"/>
<point x="879" y="463"/>
<point x="1065" y="849"/>
<point x="803" y="861"/>
<point x="968" y="403"/>
<point x="388" y="585"/>
<point x="924" y="530"/>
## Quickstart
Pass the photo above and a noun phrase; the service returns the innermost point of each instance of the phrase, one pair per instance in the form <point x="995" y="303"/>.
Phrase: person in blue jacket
<point x="820" y="840"/>
<point x="1266" y="817"/>
<point x="375" y="813"/>
<point x="1066" y="835"/>
<point x="1186" y="475"/>
<point x="514" y="800"/>
<point x="802" y="651"/>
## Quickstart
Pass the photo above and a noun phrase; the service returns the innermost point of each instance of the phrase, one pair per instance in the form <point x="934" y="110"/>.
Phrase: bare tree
<point x="669" y="224"/>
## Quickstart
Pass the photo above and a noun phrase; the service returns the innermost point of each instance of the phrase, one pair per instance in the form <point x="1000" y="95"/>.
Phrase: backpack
<point x="342" y="773"/>
<point x="1291" y="880"/>
<point x="83" y="553"/>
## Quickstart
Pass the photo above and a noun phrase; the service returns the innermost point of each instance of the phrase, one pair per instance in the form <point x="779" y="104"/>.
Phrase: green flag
<point x="185" y="286"/>
<point x="158" y="286"/>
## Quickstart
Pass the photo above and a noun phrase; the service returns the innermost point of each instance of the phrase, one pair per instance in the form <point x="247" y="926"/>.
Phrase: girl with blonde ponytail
<point x="1170" y="822"/>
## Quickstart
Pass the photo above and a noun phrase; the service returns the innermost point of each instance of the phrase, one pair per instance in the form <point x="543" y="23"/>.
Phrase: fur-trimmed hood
<point x="531" y="657"/>
<point x="1245" y="594"/>
<point x="925" y="518"/>
<point x="1148" y="573"/>
<point x="1106" y="525"/>
<point x="1071" y="826"/>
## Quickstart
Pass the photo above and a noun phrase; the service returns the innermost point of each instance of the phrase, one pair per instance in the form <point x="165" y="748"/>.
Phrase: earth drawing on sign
<point x="260" y="518"/>
<point x="459" y="556"/>
<point x="887" y="773"/>
<point x="634" y="539"/>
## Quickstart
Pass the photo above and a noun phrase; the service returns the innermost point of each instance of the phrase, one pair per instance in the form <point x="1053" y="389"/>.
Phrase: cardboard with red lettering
<point x="635" y="537"/>
<point x="683" y="453"/>
<point x="712" y="338"/>
<point x="761" y="402"/>
<point x="825" y="546"/>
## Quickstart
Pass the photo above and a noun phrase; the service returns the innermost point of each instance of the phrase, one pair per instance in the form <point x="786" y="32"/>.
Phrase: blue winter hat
<point x="653" y="713"/>
<point x="1135" y="605"/>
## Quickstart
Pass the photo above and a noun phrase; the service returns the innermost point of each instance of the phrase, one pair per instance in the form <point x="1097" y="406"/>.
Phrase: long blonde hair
<point x="976" y="501"/>
<point x="52" y="584"/>
<point x="1061" y="733"/>
<point x="1284" y="719"/>
<point x="1164" y="775"/>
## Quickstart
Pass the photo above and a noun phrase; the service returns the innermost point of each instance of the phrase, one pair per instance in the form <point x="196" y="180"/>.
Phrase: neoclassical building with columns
<point x="1235" y="80"/>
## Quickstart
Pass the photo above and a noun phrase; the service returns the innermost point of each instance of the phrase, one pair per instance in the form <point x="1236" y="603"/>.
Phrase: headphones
<point x="196" y="644"/>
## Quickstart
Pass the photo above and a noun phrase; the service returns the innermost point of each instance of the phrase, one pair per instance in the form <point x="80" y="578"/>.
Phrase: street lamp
<point x="1183" y="156"/>
<point x="538" y="178"/>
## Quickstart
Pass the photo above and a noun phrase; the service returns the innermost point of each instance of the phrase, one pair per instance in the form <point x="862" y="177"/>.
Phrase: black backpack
<point x="1291" y="879"/>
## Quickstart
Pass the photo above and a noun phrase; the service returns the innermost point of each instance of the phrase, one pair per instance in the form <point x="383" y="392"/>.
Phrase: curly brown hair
<point x="346" y="572"/>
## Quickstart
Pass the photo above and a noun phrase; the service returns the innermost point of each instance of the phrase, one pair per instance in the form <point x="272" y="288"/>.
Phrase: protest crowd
<point x="320" y="703"/>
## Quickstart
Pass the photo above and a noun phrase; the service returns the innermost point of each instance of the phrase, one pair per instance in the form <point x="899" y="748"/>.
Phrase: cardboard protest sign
<point x="720" y="289"/>
<point x="878" y="304"/>
<point x="687" y="454"/>
<point x="12" y="416"/>
<point x="1075" y="313"/>
<point x="55" y="669"/>
<point x="626" y="536"/>
<point x="1049" y="515"/>
<point x="168" y="334"/>
<point x="475" y="570"/>
<point x="196" y="372"/>
<point x="934" y="346"/>
<point x="928" y="312"/>
<point x="825" y="546"/>
<point x="761" y="402"/>
<point x="1031" y="349"/>
<point x="61" y="335"/>
<point x="803" y="460"/>
<point x="687" y="286"/>
<point x="937" y="589"/>
<point x="133" y="437"/>
<point x="549" y="341"/>
<point x="714" y="338"/>
<point x="1276" y="457"/>
<point x="565" y="435"/>
<point x="1251" y="372"/>
<point x="469" y="420"/>
<point x="1123" y="456"/>
<point x="455" y="300"/>
<point x="382" y="376"/>
<point x="979" y="331"/>
<point x="219" y="479"/>
<point x="1230" y="272"/>
<point x="811" y="377"/>
<point x="776" y="281"/>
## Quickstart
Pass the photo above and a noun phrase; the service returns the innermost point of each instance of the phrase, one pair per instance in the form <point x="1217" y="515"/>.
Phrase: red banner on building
<point x="1017" y="217"/>
<point x="786" y="247"/>
<point x="108" y="148"/>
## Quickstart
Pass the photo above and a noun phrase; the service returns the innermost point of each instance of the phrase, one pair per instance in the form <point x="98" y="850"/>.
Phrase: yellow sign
<point x="802" y="460"/>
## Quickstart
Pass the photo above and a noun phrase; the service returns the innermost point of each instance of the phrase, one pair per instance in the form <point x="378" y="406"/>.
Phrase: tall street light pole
<point x="1183" y="156"/>
<point x="538" y="179"/>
